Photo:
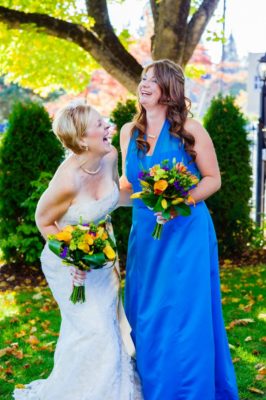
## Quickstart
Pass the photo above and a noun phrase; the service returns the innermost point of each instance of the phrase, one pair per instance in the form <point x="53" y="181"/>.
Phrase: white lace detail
<point x="90" y="360"/>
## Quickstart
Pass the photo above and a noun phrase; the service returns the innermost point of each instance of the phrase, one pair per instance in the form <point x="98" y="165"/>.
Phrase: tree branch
<point x="98" y="10"/>
<point x="126" y="70"/>
<point x="197" y="25"/>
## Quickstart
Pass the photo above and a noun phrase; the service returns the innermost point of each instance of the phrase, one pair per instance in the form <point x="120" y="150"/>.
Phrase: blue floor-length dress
<point x="172" y="298"/>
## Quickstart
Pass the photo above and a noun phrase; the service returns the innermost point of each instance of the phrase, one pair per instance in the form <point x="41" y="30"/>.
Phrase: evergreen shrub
<point x="28" y="148"/>
<point x="231" y="205"/>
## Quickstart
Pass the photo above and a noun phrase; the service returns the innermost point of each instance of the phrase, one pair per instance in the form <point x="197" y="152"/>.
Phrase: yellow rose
<point x="104" y="236"/>
<point x="109" y="252"/>
<point x="160" y="186"/>
<point x="136" y="195"/>
<point x="84" y="247"/>
<point x="164" y="204"/>
<point x="88" y="239"/>
<point x="68" y="228"/>
<point x="178" y="200"/>
<point x="64" y="236"/>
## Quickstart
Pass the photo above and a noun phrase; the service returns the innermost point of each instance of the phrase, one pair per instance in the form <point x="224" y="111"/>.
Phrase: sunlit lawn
<point x="29" y="324"/>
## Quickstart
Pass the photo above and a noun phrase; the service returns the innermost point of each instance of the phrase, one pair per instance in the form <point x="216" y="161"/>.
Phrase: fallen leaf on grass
<point x="8" y="371"/>
<point x="45" y="324"/>
<point x="255" y="390"/>
<point x="259" y="366"/>
<point x="20" y="386"/>
<point x="33" y="340"/>
<point x="11" y="278"/>
<point x="248" y="339"/>
<point x="260" y="377"/>
<point x="225" y="288"/>
<point x="240" y="322"/>
<point x="262" y="370"/>
<point x="20" y="334"/>
<point x="37" y="296"/>
<point x="262" y="316"/>
<point x="235" y="360"/>
<point x="13" y="351"/>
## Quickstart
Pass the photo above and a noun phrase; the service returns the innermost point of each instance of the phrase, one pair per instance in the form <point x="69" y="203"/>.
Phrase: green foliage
<point x="45" y="70"/>
<point x="27" y="239"/>
<point x="230" y="206"/>
<point x="28" y="148"/>
<point x="123" y="113"/>
<point x="121" y="218"/>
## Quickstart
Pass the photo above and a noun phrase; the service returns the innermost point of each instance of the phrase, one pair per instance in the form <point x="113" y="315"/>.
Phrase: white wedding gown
<point x="91" y="361"/>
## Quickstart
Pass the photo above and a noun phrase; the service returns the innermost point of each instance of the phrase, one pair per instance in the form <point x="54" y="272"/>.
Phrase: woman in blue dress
<point x="172" y="298"/>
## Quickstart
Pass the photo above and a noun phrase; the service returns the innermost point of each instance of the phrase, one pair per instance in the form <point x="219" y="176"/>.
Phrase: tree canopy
<point x="58" y="43"/>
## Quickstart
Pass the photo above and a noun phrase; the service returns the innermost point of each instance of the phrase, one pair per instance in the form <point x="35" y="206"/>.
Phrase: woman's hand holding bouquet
<point x="166" y="191"/>
<point x="84" y="247"/>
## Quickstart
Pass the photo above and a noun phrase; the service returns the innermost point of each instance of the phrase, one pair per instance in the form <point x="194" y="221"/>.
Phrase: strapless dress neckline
<point x="91" y="210"/>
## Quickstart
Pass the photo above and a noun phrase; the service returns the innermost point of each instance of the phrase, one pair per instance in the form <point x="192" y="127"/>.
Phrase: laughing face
<point x="97" y="134"/>
<point x="149" y="91"/>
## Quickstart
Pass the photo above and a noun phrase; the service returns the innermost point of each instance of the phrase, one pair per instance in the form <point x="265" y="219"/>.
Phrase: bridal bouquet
<point x="84" y="246"/>
<point x="165" y="189"/>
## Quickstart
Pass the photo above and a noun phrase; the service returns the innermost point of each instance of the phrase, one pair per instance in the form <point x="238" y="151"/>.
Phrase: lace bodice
<point x="93" y="210"/>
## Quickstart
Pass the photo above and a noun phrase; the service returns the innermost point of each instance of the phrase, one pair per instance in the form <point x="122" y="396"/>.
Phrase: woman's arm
<point x="53" y="203"/>
<point x="125" y="186"/>
<point x="206" y="161"/>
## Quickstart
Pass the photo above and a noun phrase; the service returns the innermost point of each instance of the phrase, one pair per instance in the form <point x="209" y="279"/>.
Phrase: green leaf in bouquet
<point x="183" y="209"/>
<point x="149" y="200"/>
<point x="158" y="206"/>
<point x="72" y="246"/>
<point x="166" y="213"/>
<point x="55" y="246"/>
<point x="93" y="260"/>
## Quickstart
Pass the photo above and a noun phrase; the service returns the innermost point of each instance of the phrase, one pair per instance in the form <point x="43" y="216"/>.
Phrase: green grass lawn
<point x="30" y="320"/>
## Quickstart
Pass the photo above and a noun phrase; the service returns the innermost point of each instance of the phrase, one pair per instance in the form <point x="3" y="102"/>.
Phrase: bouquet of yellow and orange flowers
<point x="84" y="246"/>
<point x="166" y="190"/>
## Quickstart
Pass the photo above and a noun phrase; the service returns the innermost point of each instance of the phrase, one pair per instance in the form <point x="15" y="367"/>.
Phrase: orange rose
<point x="181" y="167"/>
<point x="160" y="186"/>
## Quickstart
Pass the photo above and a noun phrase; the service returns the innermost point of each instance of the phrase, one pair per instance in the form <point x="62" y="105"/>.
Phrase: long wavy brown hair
<point x="170" y="78"/>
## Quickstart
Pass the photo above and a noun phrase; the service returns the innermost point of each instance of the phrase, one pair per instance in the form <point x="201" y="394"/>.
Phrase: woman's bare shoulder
<point x="65" y="178"/>
<point x="196" y="129"/>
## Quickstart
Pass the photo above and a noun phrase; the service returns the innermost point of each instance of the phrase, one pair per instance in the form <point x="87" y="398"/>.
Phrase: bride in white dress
<point x="92" y="360"/>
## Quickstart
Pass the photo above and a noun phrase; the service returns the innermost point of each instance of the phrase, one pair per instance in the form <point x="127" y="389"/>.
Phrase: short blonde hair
<point x="70" y="124"/>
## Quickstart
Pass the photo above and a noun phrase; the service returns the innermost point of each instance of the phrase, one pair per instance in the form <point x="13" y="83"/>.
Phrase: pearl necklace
<point x="92" y="172"/>
<point x="152" y="136"/>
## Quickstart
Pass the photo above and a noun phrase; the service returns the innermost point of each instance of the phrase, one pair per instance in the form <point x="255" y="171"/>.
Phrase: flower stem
<point x="157" y="232"/>
<point x="78" y="294"/>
